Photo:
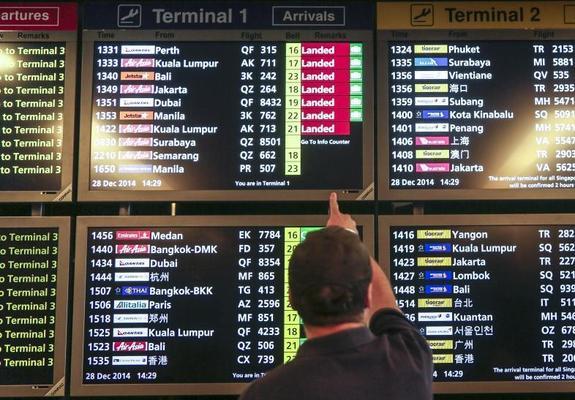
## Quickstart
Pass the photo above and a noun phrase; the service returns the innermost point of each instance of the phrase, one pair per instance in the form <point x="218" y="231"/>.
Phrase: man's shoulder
<point x="273" y="383"/>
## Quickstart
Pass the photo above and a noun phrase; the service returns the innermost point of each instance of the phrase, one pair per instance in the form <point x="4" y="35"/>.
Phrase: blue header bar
<point x="114" y="15"/>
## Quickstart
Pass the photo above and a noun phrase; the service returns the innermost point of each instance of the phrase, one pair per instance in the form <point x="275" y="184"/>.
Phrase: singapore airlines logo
<point x="129" y="16"/>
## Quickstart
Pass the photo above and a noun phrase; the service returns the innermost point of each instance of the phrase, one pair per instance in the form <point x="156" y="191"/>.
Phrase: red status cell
<point x="327" y="100"/>
<point x="324" y="114"/>
<point x="325" y="128"/>
<point x="325" y="75"/>
<point x="327" y="61"/>
<point x="317" y="87"/>
<point x="324" y="48"/>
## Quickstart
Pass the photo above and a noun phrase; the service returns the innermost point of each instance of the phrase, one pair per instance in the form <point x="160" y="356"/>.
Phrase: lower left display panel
<point x="34" y="254"/>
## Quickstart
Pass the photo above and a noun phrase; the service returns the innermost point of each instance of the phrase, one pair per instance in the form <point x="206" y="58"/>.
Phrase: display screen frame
<point x="268" y="33"/>
<point x="64" y="194"/>
<point x="78" y="388"/>
<point x="383" y="151"/>
<point x="385" y="223"/>
<point x="56" y="388"/>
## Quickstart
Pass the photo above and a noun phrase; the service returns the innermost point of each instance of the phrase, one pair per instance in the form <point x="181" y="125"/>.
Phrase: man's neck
<point x="319" y="331"/>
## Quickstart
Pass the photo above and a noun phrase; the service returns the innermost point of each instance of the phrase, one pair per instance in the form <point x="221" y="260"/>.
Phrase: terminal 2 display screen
<point x="195" y="305"/>
<point x="493" y="295"/>
<point x="227" y="101"/>
<point x="476" y="112"/>
<point x="33" y="301"/>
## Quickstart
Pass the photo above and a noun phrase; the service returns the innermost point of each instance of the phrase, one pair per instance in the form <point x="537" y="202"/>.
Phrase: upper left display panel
<point x="226" y="101"/>
<point x="37" y="84"/>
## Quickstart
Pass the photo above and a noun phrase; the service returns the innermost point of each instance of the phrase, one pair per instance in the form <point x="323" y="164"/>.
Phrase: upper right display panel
<point x="476" y="100"/>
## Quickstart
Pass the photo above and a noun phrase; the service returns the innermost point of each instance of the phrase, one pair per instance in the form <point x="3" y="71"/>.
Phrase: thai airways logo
<point x="129" y="346"/>
<point x="129" y="16"/>
<point x="134" y="291"/>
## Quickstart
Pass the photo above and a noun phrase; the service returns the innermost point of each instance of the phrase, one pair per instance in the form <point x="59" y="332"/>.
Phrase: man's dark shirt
<point x="392" y="363"/>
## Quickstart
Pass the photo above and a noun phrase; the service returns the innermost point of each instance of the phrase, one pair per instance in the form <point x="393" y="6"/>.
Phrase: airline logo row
<point x="170" y="250"/>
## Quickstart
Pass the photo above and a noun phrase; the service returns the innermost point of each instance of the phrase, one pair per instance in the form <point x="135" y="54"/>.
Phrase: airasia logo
<point x="132" y="248"/>
<point x="137" y="62"/>
<point x="136" y="89"/>
<point x="129" y="346"/>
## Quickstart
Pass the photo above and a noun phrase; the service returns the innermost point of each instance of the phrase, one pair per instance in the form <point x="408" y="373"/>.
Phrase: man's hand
<point x="336" y="218"/>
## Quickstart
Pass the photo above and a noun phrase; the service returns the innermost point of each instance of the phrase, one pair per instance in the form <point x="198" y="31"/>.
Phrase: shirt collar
<point x="336" y="342"/>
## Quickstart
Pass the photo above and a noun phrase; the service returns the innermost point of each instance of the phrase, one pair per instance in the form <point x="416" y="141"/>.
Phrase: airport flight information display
<point x="459" y="119"/>
<point x="185" y="304"/>
<point x="472" y="286"/>
<point x="32" y="305"/>
<point x="227" y="111"/>
<point x="37" y="56"/>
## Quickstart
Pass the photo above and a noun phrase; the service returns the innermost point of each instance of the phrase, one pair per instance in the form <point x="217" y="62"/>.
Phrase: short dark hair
<point x="329" y="275"/>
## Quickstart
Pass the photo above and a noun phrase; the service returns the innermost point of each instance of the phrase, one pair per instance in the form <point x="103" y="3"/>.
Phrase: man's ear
<point x="368" y="296"/>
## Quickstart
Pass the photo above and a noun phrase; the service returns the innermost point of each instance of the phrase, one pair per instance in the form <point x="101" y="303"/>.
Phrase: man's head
<point x="329" y="276"/>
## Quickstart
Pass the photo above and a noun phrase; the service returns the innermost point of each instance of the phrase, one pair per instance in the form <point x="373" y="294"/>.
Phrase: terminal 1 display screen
<point x="37" y="75"/>
<point x="252" y="105"/>
<point x="492" y="295"/>
<point x="195" y="306"/>
<point x="463" y="121"/>
<point x="33" y="286"/>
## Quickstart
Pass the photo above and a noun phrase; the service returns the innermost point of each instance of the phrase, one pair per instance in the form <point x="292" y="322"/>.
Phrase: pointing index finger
<point x="333" y="206"/>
